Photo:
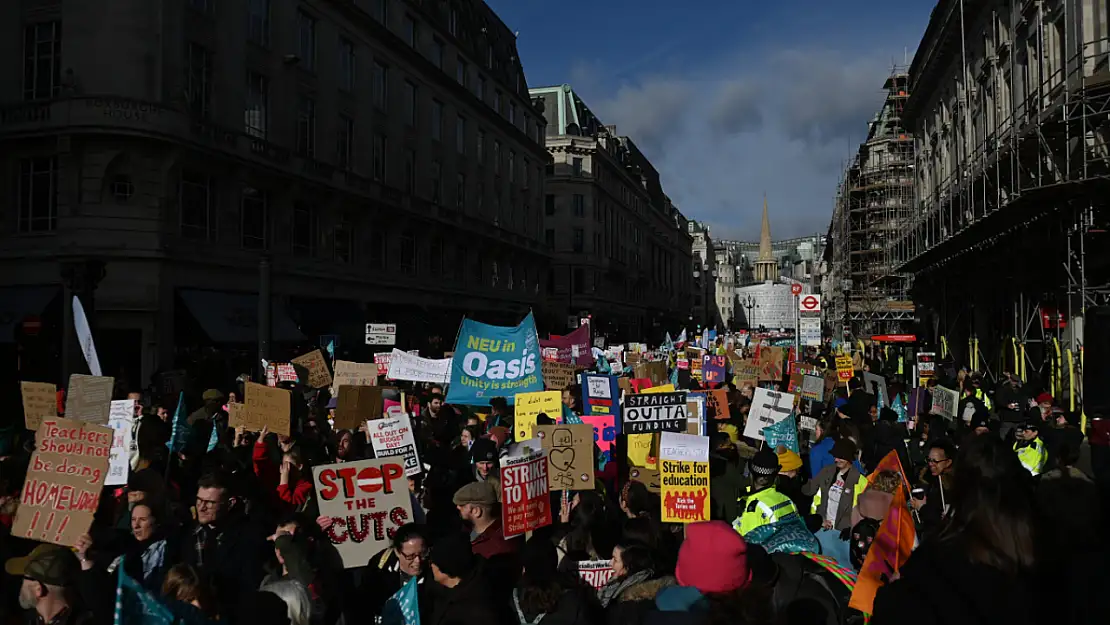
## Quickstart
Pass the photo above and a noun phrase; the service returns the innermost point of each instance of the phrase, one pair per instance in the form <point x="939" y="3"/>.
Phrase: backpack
<point x="805" y="592"/>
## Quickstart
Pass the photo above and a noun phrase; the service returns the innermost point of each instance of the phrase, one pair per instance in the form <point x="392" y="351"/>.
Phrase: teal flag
<point x="180" y="434"/>
<point x="215" y="438"/>
<point x="403" y="608"/>
<point x="783" y="433"/>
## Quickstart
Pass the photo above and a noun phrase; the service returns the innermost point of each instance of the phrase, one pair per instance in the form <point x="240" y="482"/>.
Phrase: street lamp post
<point x="749" y="303"/>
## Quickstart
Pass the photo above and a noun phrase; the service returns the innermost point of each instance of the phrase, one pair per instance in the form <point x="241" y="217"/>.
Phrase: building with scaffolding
<point x="1008" y="105"/>
<point x="864" y="289"/>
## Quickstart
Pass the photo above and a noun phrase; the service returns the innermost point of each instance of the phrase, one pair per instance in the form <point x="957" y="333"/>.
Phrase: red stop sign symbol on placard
<point x="796" y="289"/>
<point x="810" y="302"/>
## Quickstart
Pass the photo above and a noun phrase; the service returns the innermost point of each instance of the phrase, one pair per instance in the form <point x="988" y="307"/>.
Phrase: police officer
<point x="1030" y="448"/>
<point x="764" y="504"/>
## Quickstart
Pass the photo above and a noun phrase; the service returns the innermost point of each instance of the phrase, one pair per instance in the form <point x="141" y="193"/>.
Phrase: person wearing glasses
<point x="932" y="505"/>
<point x="389" y="570"/>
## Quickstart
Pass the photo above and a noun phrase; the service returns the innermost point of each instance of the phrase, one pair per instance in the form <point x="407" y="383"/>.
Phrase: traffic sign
<point x="796" y="288"/>
<point x="381" y="334"/>
<point x="809" y="331"/>
<point x="810" y="303"/>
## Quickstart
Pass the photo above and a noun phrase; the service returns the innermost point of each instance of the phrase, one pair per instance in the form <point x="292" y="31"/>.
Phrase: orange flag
<point x="889" y="551"/>
<point x="890" y="462"/>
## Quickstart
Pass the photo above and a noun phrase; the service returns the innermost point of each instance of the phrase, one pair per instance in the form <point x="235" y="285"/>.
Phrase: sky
<point x="729" y="99"/>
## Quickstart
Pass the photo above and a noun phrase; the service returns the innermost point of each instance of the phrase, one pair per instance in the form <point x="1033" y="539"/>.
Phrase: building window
<point x="579" y="205"/>
<point x="306" y="226"/>
<point x="306" y="127"/>
<point x="437" y="120"/>
<point x="512" y="166"/>
<point x="377" y="158"/>
<point x="196" y="199"/>
<point x="198" y="79"/>
<point x="410" y="102"/>
<point x="460" y="135"/>
<point x="460" y="263"/>
<point x="204" y="6"/>
<point x="576" y="166"/>
<point x="437" y="52"/>
<point x="481" y="197"/>
<point x="435" y="257"/>
<point x="42" y="60"/>
<point x="481" y="146"/>
<point x="408" y="253"/>
<point x="453" y="22"/>
<point x="381" y="10"/>
<point x="344" y="139"/>
<point x="525" y="173"/>
<point x="253" y="219"/>
<point x="497" y="101"/>
<point x="579" y="279"/>
<point x="410" y="31"/>
<point x="257" y="107"/>
<point x="579" y="240"/>
<point x="437" y="181"/>
<point x="306" y="40"/>
<point x="482" y="88"/>
<point x="343" y="239"/>
<point x="410" y="171"/>
<point x="346" y="64"/>
<point x="38" y="194"/>
<point x="512" y="114"/>
<point x="496" y="157"/>
<point x="381" y="85"/>
<point x="460" y="190"/>
<point x="549" y="238"/>
<point x="462" y="72"/>
<point x="258" y="22"/>
<point x="378" y="249"/>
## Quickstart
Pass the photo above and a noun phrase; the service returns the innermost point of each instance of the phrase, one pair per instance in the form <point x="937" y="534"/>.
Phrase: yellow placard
<point x="666" y="388"/>
<point x="639" y="451"/>
<point x="529" y="406"/>
<point x="684" y="492"/>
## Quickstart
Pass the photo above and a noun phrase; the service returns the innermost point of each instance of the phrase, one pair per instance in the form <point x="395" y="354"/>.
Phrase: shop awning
<point x="233" y="317"/>
<point x="19" y="302"/>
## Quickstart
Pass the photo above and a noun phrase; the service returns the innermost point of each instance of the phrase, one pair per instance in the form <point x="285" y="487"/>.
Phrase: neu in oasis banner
<point x="495" y="361"/>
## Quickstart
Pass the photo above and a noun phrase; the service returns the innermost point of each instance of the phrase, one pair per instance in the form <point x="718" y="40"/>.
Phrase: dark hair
<point x="407" y="532"/>
<point x="590" y="525"/>
<point x="640" y="530"/>
<point x="639" y="500"/>
<point x="183" y="583"/>
<point x="435" y="396"/>
<point x="992" y="502"/>
<point x="214" y="480"/>
<point x="945" y="445"/>
<point x="636" y="557"/>
<point x="539" y="589"/>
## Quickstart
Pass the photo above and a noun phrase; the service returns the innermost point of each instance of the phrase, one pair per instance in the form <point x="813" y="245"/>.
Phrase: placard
<point x="392" y="437"/>
<point x="604" y="436"/>
<point x="684" y="473"/>
<point x="318" y="374"/>
<point x="717" y="400"/>
<point x="844" y="368"/>
<point x="596" y="573"/>
<point x="945" y="402"/>
<point x="713" y="368"/>
<point x="645" y="413"/>
<point x="557" y="376"/>
<point x="529" y="406"/>
<point x="40" y="400"/>
<point x="647" y="477"/>
<point x="876" y="385"/>
<point x="122" y="420"/>
<point x="813" y="388"/>
<point x="525" y="497"/>
<point x="270" y="406"/>
<point x="367" y="501"/>
<point x="770" y="364"/>
<point x="348" y="373"/>
<point x="768" y="408"/>
<point x="61" y="492"/>
<point x="89" y="398"/>
<point x="356" y="404"/>
<point x="570" y="455"/>
<point x="410" y="368"/>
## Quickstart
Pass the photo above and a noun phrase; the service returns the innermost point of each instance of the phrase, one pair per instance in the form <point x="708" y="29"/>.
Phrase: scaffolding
<point x="874" y="198"/>
<point x="1012" y="171"/>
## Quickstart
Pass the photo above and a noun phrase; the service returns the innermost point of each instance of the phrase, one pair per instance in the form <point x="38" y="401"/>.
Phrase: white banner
<point x="405" y="366"/>
<point x="121" y="419"/>
<point x="393" y="437"/>
<point x="84" y="337"/>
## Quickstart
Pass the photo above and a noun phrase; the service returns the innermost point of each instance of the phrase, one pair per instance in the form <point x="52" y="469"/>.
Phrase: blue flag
<point x="495" y="361"/>
<point x="403" y="608"/>
<point x="215" y="438"/>
<point x="674" y="377"/>
<point x="136" y="606"/>
<point x="783" y="433"/>
<point x="180" y="434"/>
<point x="331" y="348"/>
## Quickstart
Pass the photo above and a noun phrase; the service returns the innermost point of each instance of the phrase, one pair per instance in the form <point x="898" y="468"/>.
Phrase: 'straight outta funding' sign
<point x="646" y="413"/>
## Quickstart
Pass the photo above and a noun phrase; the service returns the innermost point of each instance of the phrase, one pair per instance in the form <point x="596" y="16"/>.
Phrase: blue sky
<point x="728" y="99"/>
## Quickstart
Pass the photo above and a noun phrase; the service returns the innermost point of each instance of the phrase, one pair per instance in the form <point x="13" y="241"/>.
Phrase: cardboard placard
<point x="89" y="398"/>
<point x="525" y="497"/>
<point x="529" y="406"/>
<point x="122" y="421"/>
<point x="655" y="371"/>
<point x="718" y="403"/>
<point x="646" y="413"/>
<point x="570" y="455"/>
<point x="270" y="406"/>
<point x="770" y="364"/>
<point x="318" y="374"/>
<point x="367" y="501"/>
<point x="40" y="400"/>
<point x="356" y="404"/>
<point x="557" y="376"/>
<point x="647" y="477"/>
<point x="813" y="388"/>
<point x="348" y="373"/>
<point x="62" y="490"/>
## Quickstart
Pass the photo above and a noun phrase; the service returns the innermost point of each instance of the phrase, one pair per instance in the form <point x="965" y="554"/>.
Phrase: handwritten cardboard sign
<point x="62" y="489"/>
<point x="570" y="455"/>
<point x="529" y="406"/>
<point x="40" y="400"/>
<point x="647" y="477"/>
<point x="718" y="403"/>
<point x="357" y="404"/>
<point x="557" y="376"/>
<point x="367" y="501"/>
<point x="270" y="406"/>
<point x="770" y="363"/>
<point x="348" y="373"/>
<point x="318" y="374"/>
<point x="89" y="398"/>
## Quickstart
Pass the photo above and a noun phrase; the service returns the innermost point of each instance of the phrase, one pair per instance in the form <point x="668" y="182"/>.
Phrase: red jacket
<point x="492" y="542"/>
<point x="290" y="496"/>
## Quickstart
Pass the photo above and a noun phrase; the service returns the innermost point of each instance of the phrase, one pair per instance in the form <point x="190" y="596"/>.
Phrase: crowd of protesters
<point x="1008" y="526"/>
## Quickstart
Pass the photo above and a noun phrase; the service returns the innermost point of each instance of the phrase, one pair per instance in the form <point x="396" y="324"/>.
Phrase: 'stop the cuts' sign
<point x="646" y="413"/>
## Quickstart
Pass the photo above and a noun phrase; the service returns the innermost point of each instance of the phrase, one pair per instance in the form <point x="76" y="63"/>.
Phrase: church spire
<point x="766" y="267"/>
